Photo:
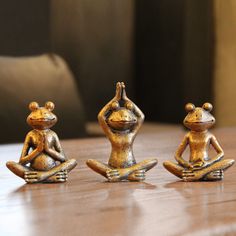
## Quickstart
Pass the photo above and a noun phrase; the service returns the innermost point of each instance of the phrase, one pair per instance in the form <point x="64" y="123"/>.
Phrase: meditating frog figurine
<point x="200" y="165"/>
<point x="120" y="120"/>
<point x="42" y="158"/>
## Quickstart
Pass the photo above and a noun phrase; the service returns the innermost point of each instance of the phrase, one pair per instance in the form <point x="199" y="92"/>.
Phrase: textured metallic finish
<point x="200" y="166"/>
<point x="120" y="120"/>
<point x="42" y="158"/>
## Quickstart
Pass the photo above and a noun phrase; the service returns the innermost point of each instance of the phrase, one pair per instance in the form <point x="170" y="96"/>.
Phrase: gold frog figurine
<point x="120" y="120"/>
<point x="200" y="166"/>
<point x="42" y="158"/>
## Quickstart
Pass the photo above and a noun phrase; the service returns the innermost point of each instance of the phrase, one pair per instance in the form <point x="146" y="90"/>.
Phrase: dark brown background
<point x="161" y="49"/>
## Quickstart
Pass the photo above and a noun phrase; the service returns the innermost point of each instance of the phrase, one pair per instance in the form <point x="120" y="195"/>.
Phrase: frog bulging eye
<point x="50" y="106"/>
<point x="33" y="106"/>
<point x="189" y="107"/>
<point x="129" y="105"/>
<point x="115" y="105"/>
<point x="207" y="106"/>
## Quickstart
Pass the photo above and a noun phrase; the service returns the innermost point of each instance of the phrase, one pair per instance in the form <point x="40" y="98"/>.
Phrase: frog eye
<point x="207" y="106"/>
<point x="129" y="105"/>
<point x="115" y="105"/>
<point x="50" y="106"/>
<point x="33" y="106"/>
<point x="189" y="107"/>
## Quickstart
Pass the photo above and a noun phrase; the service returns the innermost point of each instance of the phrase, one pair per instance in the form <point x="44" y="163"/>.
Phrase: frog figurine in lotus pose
<point x="200" y="166"/>
<point x="42" y="158"/>
<point x="120" y="120"/>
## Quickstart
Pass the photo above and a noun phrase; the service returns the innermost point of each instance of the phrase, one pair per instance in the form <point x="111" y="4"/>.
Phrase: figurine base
<point x="213" y="172"/>
<point x="134" y="173"/>
<point x="57" y="174"/>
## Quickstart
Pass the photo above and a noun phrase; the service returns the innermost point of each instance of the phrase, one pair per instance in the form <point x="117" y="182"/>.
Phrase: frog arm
<point x="102" y="118"/>
<point x="138" y="113"/>
<point x="140" y="118"/>
<point x="56" y="153"/>
<point x="27" y="157"/>
<point x="180" y="151"/>
<point x="108" y="109"/>
<point x="219" y="150"/>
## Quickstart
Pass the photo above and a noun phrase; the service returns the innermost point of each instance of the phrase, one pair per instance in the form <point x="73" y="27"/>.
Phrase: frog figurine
<point x="120" y="120"/>
<point x="42" y="158"/>
<point x="200" y="166"/>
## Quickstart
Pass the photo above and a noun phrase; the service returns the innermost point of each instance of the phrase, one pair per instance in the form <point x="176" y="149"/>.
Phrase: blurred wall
<point x="225" y="61"/>
<point x="96" y="38"/>
<point x="199" y="51"/>
<point x="173" y="56"/>
<point x="24" y="27"/>
<point x="163" y="50"/>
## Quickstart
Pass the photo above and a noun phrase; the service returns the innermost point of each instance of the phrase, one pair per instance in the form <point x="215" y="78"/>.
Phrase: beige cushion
<point x="38" y="78"/>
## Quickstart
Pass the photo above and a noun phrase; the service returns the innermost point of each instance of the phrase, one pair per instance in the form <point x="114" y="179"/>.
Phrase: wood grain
<point x="87" y="205"/>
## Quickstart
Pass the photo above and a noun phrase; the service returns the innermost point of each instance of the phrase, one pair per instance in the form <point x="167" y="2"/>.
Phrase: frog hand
<point x="123" y="92"/>
<point x="118" y="92"/>
<point x="200" y="165"/>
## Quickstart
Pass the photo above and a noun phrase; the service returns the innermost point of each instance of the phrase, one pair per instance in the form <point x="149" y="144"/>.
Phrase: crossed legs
<point x="212" y="172"/>
<point x="56" y="174"/>
<point x="132" y="173"/>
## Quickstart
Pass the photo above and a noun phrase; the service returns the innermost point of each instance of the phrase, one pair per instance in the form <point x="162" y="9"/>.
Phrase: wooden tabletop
<point x="88" y="205"/>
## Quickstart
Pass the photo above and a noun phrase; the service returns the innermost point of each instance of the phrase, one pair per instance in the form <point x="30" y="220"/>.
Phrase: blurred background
<point x="168" y="52"/>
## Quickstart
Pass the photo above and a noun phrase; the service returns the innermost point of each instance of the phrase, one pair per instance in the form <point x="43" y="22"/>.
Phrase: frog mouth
<point x="200" y="122"/>
<point x="123" y="121"/>
<point x="42" y="119"/>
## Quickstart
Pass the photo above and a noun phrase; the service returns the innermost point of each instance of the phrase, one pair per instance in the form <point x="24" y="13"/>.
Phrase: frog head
<point x="41" y="117"/>
<point x="199" y="118"/>
<point x="122" y="118"/>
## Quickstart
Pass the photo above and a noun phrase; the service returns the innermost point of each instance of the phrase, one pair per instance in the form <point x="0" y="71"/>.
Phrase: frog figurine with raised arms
<point x="200" y="166"/>
<point x="120" y="120"/>
<point x="42" y="158"/>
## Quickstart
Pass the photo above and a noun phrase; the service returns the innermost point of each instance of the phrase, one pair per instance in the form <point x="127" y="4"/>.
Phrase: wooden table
<point x="88" y="205"/>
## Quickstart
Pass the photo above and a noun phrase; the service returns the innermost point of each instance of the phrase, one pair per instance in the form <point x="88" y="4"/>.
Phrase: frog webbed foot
<point x="138" y="175"/>
<point x="59" y="177"/>
<point x="113" y="175"/>
<point x="211" y="172"/>
<point x="195" y="175"/>
<point x="190" y="175"/>
<point x="132" y="173"/>
<point x="215" y="175"/>
<point x="56" y="174"/>
<point x="33" y="176"/>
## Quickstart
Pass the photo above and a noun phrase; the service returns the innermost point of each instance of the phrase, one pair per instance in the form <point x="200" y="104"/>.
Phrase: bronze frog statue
<point x="200" y="166"/>
<point x="120" y="120"/>
<point x="42" y="158"/>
